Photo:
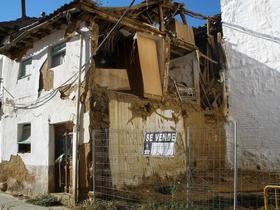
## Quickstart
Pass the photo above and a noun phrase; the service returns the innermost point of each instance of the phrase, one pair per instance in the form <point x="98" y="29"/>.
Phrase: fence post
<point x="93" y="164"/>
<point x="235" y="166"/>
<point x="188" y="166"/>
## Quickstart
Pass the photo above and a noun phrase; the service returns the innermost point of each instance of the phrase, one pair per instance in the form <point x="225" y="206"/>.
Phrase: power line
<point x="50" y="95"/>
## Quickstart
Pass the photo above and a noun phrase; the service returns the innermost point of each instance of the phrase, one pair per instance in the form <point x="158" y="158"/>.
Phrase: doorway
<point x="63" y="156"/>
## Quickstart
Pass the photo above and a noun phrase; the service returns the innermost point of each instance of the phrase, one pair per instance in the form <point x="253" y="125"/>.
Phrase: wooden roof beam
<point x="128" y="22"/>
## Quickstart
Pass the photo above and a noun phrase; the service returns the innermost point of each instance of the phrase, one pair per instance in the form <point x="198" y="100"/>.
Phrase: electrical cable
<point x="114" y="27"/>
<point x="50" y="95"/>
<point x="53" y="92"/>
<point x="8" y="92"/>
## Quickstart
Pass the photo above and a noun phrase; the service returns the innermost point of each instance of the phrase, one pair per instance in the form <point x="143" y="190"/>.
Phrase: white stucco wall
<point x="56" y="110"/>
<point x="252" y="43"/>
<point x="1" y="89"/>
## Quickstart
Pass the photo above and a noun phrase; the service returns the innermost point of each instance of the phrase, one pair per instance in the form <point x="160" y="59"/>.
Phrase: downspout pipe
<point x="2" y="111"/>
<point x="75" y="168"/>
<point x="235" y="161"/>
<point x="235" y="164"/>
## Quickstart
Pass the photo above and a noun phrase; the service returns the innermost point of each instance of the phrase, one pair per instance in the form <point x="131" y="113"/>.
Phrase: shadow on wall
<point x="254" y="101"/>
<point x="251" y="32"/>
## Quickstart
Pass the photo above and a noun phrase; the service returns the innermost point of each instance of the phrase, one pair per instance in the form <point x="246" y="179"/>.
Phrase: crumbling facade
<point x="39" y="107"/>
<point x="86" y="69"/>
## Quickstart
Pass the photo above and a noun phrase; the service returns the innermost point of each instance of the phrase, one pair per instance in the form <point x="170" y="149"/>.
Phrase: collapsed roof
<point x="9" y="27"/>
<point x="151" y="16"/>
<point x="154" y="17"/>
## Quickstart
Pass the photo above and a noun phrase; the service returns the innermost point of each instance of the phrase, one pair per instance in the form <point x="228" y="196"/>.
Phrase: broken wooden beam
<point x="207" y="58"/>
<point x="183" y="17"/>
<point x="161" y="20"/>
<point x="195" y="14"/>
<point x="128" y="22"/>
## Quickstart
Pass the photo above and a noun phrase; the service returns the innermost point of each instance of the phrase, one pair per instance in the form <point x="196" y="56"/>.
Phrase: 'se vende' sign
<point x="160" y="144"/>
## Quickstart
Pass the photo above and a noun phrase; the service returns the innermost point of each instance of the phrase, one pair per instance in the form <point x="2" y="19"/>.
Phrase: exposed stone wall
<point x="15" y="177"/>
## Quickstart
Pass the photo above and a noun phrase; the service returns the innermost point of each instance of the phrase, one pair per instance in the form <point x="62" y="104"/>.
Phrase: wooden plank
<point x="183" y="32"/>
<point x="113" y="79"/>
<point x="207" y="58"/>
<point x="128" y="22"/>
<point x="167" y="52"/>
<point x="148" y="58"/>
<point x="184" y="19"/>
<point x="161" y="20"/>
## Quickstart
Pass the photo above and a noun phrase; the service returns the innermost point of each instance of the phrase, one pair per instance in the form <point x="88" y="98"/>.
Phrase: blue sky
<point x="10" y="9"/>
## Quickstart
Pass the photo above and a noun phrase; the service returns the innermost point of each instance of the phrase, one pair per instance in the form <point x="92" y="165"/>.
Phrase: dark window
<point x="58" y="54"/>
<point x="25" y="68"/>
<point x="24" y="138"/>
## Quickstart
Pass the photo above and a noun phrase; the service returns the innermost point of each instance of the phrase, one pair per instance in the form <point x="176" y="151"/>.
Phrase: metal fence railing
<point x="271" y="197"/>
<point x="200" y="168"/>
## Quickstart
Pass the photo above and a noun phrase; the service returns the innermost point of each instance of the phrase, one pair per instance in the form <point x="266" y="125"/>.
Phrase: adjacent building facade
<point x="251" y="42"/>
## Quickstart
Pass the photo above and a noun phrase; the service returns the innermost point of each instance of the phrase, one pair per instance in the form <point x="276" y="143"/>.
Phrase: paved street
<point x="8" y="202"/>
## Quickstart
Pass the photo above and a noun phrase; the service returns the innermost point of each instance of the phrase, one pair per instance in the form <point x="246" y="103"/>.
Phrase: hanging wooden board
<point x="149" y="63"/>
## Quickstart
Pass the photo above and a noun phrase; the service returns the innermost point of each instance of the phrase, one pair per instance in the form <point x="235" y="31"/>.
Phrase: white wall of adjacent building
<point x="252" y="44"/>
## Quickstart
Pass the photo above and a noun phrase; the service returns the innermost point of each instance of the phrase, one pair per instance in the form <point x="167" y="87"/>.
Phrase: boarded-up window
<point x="149" y="63"/>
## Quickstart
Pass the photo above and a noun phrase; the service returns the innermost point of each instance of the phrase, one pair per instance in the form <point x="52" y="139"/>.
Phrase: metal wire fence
<point x="203" y="168"/>
<point x="123" y="171"/>
<point x="258" y="152"/>
<point x="211" y="183"/>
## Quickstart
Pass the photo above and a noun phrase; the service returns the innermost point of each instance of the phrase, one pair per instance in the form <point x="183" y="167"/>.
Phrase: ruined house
<point x="86" y="84"/>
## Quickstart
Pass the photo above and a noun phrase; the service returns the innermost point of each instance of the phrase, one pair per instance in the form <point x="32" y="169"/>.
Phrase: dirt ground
<point x="208" y="190"/>
<point x="8" y="202"/>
